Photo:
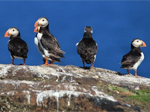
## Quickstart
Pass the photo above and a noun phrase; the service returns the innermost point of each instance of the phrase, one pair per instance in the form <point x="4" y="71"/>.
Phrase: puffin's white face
<point x="43" y="22"/>
<point x="11" y="32"/>
<point x="138" y="43"/>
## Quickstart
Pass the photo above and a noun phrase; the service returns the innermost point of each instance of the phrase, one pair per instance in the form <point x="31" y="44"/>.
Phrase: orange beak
<point x="36" y="30"/>
<point x="7" y="34"/>
<point x="143" y="44"/>
<point x="36" y="24"/>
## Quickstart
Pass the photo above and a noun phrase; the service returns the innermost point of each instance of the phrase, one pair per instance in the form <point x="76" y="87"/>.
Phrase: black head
<point x="88" y="32"/>
<point x="88" y="29"/>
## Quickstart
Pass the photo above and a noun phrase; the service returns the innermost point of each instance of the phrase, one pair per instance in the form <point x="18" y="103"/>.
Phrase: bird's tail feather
<point x="59" y="51"/>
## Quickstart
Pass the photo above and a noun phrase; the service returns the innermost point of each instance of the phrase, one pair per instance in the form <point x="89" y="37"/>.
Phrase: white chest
<point x="37" y="45"/>
<point x="139" y="61"/>
<point x="46" y="53"/>
<point x="36" y="41"/>
<point x="39" y="36"/>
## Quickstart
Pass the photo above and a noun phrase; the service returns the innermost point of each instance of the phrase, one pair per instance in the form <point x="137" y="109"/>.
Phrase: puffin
<point x="134" y="58"/>
<point x="87" y="47"/>
<point x="17" y="47"/>
<point x="47" y="41"/>
<point x="38" y="46"/>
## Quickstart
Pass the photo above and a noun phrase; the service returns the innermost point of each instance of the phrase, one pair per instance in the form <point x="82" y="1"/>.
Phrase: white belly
<point x="139" y="61"/>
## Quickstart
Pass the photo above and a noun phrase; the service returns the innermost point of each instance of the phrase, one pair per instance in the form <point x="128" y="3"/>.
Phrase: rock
<point x="69" y="88"/>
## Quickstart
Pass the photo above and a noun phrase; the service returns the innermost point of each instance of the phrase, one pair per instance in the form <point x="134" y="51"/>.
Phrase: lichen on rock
<point x="69" y="88"/>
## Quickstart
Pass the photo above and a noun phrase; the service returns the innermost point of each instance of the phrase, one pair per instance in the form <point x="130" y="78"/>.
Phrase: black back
<point x="87" y="48"/>
<point x="18" y="47"/>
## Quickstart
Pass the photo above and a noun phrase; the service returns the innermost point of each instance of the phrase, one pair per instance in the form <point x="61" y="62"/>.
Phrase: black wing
<point x="48" y="42"/>
<point x="51" y="44"/>
<point x="18" y="47"/>
<point x="130" y="58"/>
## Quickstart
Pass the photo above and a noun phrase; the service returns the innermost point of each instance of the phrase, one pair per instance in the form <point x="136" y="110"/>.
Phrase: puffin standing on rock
<point x="87" y="47"/>
<point x="50" y="48"/>
<point x="135" y="57"/>
<point x="17" y="47"/>
<point x="37" y="29"/>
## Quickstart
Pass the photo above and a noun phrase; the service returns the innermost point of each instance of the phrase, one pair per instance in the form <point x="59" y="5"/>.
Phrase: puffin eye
<point x="137" y="41"/>
<point x="13" y="30"/>
<point x="43" y="20"/>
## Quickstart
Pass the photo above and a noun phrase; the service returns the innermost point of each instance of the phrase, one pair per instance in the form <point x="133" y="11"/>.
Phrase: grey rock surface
<point x="67" y="88"/>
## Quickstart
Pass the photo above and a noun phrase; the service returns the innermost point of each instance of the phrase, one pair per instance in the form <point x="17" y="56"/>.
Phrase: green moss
<point x="116" y="88"/>
<point x="142" y="96"/>
<point x="120" y="90"/>
<point x="138" y="98"/>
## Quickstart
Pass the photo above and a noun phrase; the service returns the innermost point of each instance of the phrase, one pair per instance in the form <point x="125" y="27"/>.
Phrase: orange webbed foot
<point x="137" y="76"/>
<point x="92" y="67"/>
<point x="45" y="64"/>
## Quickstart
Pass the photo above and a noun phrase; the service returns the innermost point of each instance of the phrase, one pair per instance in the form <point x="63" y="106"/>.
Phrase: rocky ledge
<point x="71" y="88"/>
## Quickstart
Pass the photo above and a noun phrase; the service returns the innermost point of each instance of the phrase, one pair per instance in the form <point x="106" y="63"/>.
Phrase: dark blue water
<point x="115" y="24"/>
